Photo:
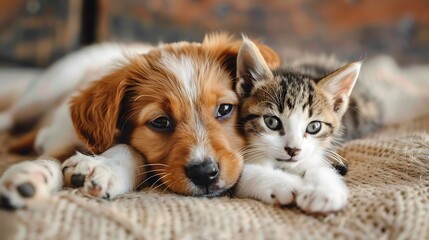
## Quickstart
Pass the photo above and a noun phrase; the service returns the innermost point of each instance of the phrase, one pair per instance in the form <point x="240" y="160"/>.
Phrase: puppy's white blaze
<point x="202" y="148"/>
<point x="183" y="69"/>
<point x="198" y="153"/>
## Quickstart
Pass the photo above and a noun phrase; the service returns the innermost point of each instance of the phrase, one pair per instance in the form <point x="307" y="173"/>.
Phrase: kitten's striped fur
<point x="291" y="118"/>
<point x="364" y="114"/>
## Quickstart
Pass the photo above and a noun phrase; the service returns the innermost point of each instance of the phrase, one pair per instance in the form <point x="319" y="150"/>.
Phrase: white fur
<point x="107" y="175"/>
<point x="318" y="188"/>
<point x="61" y="81"/>
<point x="323" y="191"/>
<point x="270" y="145"/>
<point x="113" y="171"/>
<point x="402" y="92"/>
<point x="183" y="68"/>
<point x="61" y="128"/>
<point x="44" y="175"/>
<point x="6" y="121"/>
<point x="66" y="76"/>
<point x="268" y="185"/>
<point x="321" y="188"/>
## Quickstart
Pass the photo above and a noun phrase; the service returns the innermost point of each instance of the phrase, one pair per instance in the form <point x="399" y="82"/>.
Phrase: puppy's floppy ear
<point x="339" y="85"/>
<point x="95" y="111"/>
<point x="251" y="67"/>
<point x="226" y="48"/>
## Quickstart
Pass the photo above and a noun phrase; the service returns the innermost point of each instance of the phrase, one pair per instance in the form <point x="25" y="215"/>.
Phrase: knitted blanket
<point x="389" y="199"/>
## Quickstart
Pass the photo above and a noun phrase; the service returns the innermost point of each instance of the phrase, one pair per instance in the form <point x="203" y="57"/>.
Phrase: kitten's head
<point x="288" y="116"/>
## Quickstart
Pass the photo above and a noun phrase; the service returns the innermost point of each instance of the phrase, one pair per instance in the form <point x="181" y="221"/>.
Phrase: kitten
<point x="291" y="118"/>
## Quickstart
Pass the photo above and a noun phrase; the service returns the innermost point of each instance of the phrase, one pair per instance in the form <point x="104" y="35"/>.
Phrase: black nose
<point x="204" y="173"/>
<point x="292" y="151"/>
<point x="5" y="203"/>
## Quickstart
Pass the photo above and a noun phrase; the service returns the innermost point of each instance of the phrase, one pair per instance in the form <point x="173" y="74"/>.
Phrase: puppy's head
<point x="177" y="107"/>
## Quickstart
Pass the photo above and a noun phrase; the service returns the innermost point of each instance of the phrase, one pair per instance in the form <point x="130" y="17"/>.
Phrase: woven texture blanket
<point x="389" y="199"/>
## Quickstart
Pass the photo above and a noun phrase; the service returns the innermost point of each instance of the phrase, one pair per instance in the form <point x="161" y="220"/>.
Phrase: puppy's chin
<point x="212" y="193"/>
<point x="179" y="183"/>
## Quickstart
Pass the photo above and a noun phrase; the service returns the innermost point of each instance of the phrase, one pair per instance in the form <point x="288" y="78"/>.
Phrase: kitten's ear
<point x="251" y="67"/>
<point x="339" y="85"/>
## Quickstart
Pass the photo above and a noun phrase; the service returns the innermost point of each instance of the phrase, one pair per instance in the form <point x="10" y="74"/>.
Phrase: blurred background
<point x="34" y="33"/>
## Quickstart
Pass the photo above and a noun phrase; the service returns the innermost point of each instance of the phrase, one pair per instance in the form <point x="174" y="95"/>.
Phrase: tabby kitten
<point x="291" y="120"/>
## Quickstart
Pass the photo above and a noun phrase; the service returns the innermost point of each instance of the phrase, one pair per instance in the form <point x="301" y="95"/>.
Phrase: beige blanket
<point x="389" y="199"/>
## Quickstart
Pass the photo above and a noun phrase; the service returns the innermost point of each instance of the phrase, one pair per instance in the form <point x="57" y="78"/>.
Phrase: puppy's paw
<point x="90" y="174"/>
<point x="321" y="200"/>
<point x="29" y="183"/>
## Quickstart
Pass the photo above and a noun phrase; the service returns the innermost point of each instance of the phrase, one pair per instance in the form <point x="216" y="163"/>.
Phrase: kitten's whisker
<point x="334" y="156"/>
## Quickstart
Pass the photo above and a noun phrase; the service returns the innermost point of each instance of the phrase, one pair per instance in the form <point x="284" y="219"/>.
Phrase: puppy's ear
<point x="226" y="48"/>
<point x="251" y="67"/>
<point x="95" y="111"/>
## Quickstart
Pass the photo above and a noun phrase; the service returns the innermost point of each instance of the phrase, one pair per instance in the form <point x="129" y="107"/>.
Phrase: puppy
<point x="167" y="114"/>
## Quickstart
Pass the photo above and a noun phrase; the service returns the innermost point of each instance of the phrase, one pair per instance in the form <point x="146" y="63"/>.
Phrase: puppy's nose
<point x="5" y="203"/>
<point x="204" y="173"/>
<point x="292" y="151"/>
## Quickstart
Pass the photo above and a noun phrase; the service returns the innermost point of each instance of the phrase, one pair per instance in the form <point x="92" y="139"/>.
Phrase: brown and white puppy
<point x="168" y="112"/>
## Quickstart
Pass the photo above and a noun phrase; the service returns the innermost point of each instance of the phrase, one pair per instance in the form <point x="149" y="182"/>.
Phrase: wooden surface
<point x="351" y="29"/>
<point x="37" y="32"/>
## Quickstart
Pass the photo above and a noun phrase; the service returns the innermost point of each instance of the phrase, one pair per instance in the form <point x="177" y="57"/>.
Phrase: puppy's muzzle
<point x="203" y="174"/>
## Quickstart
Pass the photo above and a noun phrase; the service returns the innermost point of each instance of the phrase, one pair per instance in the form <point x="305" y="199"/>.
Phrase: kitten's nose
<point x="204" y="173"/>
<point x="292" y="151"/>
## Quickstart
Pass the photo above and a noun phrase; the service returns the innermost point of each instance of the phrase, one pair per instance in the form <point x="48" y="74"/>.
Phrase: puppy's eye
<point x="224" y="110"/>
<point x="273" y="122"/>
<point x="161" y="124"/>
<point x="314" y="127"/>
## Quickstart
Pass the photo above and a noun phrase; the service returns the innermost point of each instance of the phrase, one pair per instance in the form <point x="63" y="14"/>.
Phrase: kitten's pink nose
<point x="292" y="151"/>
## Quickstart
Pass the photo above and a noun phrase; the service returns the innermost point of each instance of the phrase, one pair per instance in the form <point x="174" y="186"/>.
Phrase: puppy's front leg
<point x="114" y="172"/>
<point x="29" y="183"/>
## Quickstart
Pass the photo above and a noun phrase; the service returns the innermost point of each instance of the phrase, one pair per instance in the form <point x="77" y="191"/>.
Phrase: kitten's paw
<point x="321" y="200"/>
<point x="28" y="183"/>
<point x="90" y="174"/>
<point x="281" y="189"/>
<point x="280" y="194"/>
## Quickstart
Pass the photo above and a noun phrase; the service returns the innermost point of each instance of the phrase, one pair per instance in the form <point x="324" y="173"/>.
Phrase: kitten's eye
<point x="224" y="110"/>
<point x="314" y="127"/>
<point x="162" y="124"/>
<point x="272" y="122"/>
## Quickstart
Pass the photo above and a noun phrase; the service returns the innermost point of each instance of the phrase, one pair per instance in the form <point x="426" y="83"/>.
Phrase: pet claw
<point x="64" y="170"/>
<point x="107" y="196"/>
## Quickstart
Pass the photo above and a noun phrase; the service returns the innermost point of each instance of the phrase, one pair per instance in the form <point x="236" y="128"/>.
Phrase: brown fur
<point x="131" y="97"/>
<point x="23" y="144"/>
